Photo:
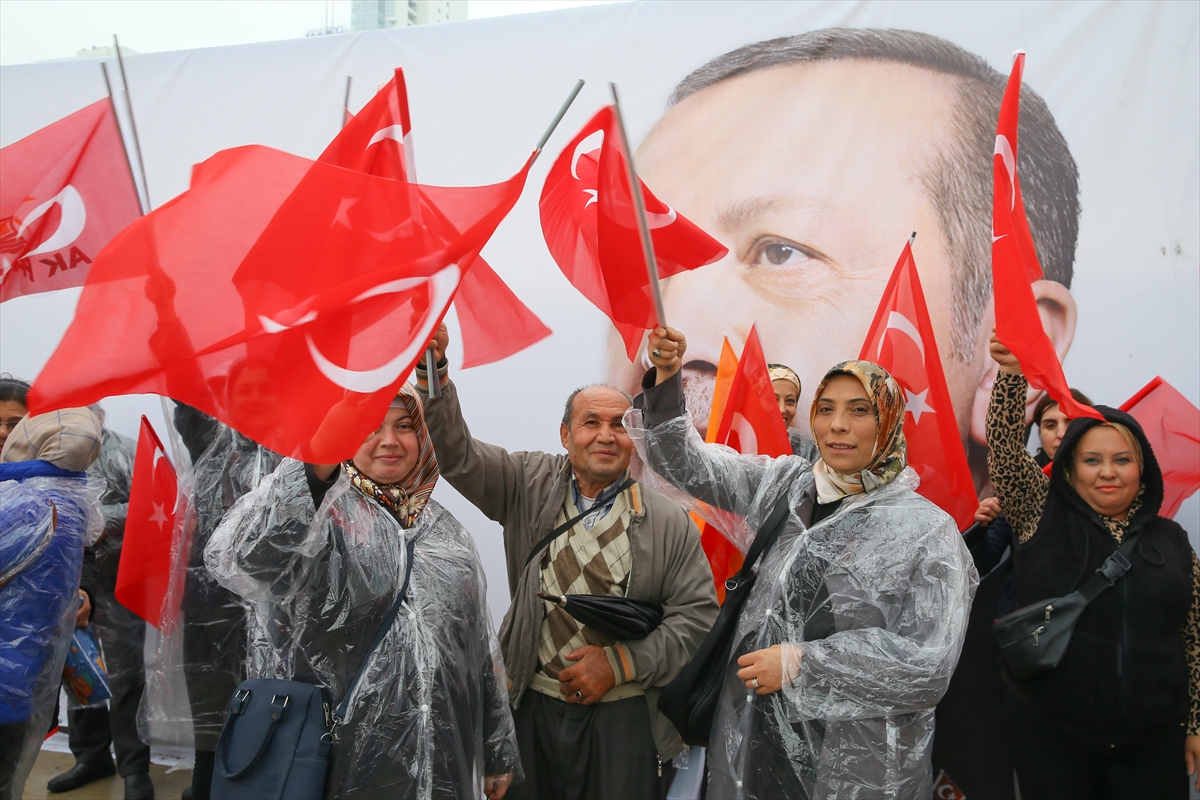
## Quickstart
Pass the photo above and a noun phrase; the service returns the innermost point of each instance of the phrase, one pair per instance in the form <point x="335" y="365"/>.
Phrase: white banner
<point x="813" y="172"/>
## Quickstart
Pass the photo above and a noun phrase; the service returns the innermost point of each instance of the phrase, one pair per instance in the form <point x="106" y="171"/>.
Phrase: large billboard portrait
<point x="810" y="157"/>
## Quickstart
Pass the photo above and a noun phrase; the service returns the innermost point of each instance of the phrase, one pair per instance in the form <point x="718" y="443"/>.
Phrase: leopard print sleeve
<point x="1191" y="647"/>
<point x="1019" y="481"/>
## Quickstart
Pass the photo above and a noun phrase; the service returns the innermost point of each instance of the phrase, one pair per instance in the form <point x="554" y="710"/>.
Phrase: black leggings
<point x="1059" y="762"/>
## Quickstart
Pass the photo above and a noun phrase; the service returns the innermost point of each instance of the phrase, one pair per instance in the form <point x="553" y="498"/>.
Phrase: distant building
<point x="102" y="52"/>
<point x="328" y="30"/>
<point x="370" y="15"/>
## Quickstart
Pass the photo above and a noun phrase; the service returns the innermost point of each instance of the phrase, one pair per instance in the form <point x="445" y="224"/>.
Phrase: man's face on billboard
<point x="811" y="175"/>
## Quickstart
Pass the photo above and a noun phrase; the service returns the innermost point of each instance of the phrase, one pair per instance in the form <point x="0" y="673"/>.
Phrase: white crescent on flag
<point x="442" y="286"/>
<point x="1005" y="151"/>
<point x="588" y="144"/>
<point x="747" y="438"/>
<point x="899" y="322"/>
<point x="393" y="132"/>
<point x="70" y="224"/>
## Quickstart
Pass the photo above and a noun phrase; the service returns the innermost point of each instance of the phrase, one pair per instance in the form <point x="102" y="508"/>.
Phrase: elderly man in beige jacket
<point x="585" y="706"/>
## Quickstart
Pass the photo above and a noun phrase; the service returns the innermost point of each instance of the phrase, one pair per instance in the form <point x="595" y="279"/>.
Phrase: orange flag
<point x="723" y="558"/>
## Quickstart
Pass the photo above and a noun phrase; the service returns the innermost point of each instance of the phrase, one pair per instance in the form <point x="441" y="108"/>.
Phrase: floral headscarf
<point x="782" y="372"/>
<point x="891" y="453"/>
<point x="407" y="498"/>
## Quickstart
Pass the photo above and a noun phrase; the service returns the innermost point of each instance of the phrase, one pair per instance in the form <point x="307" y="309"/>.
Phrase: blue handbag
<point x="278" y="735"/>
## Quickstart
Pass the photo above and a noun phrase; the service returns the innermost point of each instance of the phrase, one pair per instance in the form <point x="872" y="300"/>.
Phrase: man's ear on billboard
<point x="1059" y="317"/>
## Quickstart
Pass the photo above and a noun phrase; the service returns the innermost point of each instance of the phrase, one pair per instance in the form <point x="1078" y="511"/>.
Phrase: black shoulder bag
<point x="1035" y="638"/>
<point x="287" y="729"/>
<point x="690" y="700"/>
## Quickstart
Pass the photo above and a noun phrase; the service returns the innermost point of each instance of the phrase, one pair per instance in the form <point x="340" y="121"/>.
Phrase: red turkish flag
<point x="1171" y="423"/>
<point x="723" y="558"/>
<point x="145" y="568"/>
<point x="378" y="139"/>
<point x="493" y="321"/>
<point x="591" y="228"/>
<point x="1015" y="264"/>
<point x="65" y="192"/>
<point x="901" y="341"/>
<point x="751" y="423"/>
<point x="274" y="293"/>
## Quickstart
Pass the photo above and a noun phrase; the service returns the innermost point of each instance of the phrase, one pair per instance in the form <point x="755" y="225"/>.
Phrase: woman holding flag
<point x="1111" y="718"/>
<point x="855" y="623"/>
<point x="319" y="553"/>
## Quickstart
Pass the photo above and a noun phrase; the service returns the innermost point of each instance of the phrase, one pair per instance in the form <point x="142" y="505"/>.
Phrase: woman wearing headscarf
<point x="855" y="622"/>
<point x="786" y="384"/>
<point x="1112" y="718"/>
<point x="318" y="554"/>
<point x="48" y="514"/>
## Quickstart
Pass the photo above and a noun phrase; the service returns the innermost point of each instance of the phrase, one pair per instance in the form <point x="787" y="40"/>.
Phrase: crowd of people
<point x="841" y="654"/>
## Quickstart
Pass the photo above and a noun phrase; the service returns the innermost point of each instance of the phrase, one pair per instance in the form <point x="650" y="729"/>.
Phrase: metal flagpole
<point x="117" y="120"/>
<point x="537" y="151"/>
<point x="137" y="144"/>
<point x="639" y="205"/>
<point x="346" y="103"/>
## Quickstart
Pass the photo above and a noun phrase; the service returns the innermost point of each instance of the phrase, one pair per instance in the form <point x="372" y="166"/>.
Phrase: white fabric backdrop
<point x="1122" y="80"/>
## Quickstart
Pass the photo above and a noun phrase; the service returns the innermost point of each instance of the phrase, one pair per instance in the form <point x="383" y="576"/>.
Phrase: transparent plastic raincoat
<point x="121" y="632"/>
<point x="870" y="606"/>
<point x="430" y="716"/>
<point x="48" y="514"/>
<point x="204" y="649"/>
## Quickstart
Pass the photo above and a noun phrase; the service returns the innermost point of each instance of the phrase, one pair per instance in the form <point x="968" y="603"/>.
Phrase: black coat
<point x="1125" y="671"/>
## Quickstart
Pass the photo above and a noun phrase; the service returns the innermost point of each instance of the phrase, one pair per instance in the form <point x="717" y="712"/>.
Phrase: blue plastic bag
<point x="84" y="670"/>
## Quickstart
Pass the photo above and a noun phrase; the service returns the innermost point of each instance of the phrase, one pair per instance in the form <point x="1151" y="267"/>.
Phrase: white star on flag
<point x="159" y="516"/>
<point x="342" y="217"/>
<point x="917" y="404"/>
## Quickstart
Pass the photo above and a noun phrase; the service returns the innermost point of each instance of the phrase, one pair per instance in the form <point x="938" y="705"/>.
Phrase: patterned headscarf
<point x="891" y="453"/>
<point x="407" y="498"/>
<point x="782" y="372"/>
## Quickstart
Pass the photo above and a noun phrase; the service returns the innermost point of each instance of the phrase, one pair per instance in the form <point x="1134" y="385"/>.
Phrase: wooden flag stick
<point x="125" y="150"/>
<point x="639" y="205"/>
<point x="137" y="144"/>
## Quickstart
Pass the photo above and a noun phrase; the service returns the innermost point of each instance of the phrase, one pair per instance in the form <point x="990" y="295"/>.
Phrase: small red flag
<point x="1015" y="264"/>
<point x="591" y="229"/>
<point x="66" y="191"/>
<point x="901" y="341"/>
<point x="316" y="298"/>
<point x="145" y="568"/>
<point x="493" y="322"/>
<point x="751" y="423"/>
<point x="1171" y="423"/>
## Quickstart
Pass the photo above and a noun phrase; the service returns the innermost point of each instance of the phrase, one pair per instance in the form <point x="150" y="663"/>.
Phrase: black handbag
<point x="278" y="734"/>
<point x="1035" y="638"/>
<point x="690" y="700"/>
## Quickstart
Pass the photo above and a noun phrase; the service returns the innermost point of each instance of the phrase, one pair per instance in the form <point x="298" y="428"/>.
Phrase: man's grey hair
<point x="959" y="181"/>
<point x="570" y="407"/>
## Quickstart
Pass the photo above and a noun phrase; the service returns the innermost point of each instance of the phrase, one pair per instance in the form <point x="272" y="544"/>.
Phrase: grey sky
<point x="39" y="30"/>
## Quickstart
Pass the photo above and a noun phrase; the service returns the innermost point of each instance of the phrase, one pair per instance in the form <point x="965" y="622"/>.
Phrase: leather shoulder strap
<point x="566" y="526"/>
<point x="768" y="532"/>
<point x="344" y="706"/>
